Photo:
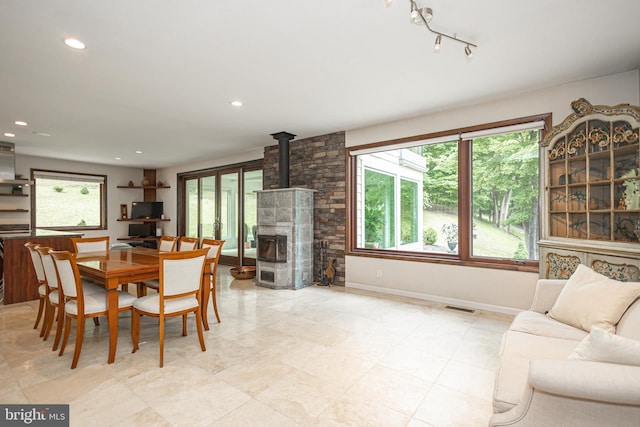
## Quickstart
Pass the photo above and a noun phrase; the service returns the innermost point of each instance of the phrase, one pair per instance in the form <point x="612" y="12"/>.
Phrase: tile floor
<point x="317" y="356"/>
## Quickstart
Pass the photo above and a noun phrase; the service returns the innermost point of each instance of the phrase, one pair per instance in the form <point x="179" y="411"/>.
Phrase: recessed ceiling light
<point x="74" y="43"/>
<point x="9" y="134"/>
<point x="236" y="103"/>
<point x="138" y="152"/>
<point x="117" y="158"/>
<point x="41" y="133"/>
<point x="20" y="123"/>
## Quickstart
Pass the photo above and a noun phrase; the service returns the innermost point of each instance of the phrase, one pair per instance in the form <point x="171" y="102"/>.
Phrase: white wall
<point x="115" y="176"/>
<point x="476" y="287"/>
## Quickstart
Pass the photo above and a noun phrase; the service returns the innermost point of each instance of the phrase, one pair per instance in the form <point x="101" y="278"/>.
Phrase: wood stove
<point x="272" y="248"/>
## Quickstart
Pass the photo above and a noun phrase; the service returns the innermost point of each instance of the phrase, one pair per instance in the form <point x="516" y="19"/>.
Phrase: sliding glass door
<point x="221" y="204"/>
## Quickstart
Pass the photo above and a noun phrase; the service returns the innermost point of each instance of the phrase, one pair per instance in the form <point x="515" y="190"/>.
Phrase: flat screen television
<point x="148" y="210"/>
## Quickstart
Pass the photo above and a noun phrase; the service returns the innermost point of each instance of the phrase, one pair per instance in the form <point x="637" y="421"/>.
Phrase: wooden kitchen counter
<point x="20" y="283"/>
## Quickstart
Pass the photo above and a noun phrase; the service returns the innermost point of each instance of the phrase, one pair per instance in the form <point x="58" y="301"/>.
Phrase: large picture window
<point x="66" y="200"/>
<point x="472" y="196"/>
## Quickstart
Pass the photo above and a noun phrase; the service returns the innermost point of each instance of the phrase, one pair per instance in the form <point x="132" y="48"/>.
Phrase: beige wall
<point x="476" y="287"/>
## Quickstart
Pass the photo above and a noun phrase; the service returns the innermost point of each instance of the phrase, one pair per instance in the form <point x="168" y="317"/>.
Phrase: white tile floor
<point x="316" y="356"/>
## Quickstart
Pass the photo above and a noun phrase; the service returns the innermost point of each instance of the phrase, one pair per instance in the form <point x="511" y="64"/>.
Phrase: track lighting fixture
<point x="424" y="15"/>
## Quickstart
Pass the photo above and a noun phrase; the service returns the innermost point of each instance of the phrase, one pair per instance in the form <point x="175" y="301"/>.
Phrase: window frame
<point x="463" y="255"/>
<point x="67" y="174"/>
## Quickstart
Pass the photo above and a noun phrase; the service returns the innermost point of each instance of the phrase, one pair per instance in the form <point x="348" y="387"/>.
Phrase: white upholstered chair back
<point x="66" y="276"/>
<point x="90" y="244"/>
<point x="213" y="249"/>
<point x="181" y="276"/>
<point x="167" y="244"/>
<point x="36" y="261"/>
<point x="49" y="269"/>
<point x="188" y="244"/>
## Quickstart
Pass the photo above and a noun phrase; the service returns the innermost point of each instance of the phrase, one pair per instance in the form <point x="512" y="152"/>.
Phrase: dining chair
<point x="90" y="244"/>
<point x="183" y="244"/>
<point x="209" y="279"/>
<point x="77" y="304"/>
<point x="42" y="283"/>
<point x="167" y="243"/>
<point x="54" y="292"/>
<point x="188" y="243"/>
<point x="178" y="295"/>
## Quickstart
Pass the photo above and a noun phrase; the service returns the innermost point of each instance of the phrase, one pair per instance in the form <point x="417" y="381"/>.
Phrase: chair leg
<point x="215" y="301"/>
<point x="40" y="309"/>
<point x="67" y="329"/>
<point x="205" y="305"/>
<point x="48" y="321"/>
<point x="199" y="328"/>
<point x="79" y="336"/>
<point x="60" y="323"/>
<point x="141" y="289"/>
<point x="96" y="321"/>
<point x="135" y="329"/>
<point x="161" y="328"/>
<point x="184" y="325"/>
<point x="47" y="309"/>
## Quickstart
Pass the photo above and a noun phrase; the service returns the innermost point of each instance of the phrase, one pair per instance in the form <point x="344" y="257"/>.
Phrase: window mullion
<point x="464" y="199"/>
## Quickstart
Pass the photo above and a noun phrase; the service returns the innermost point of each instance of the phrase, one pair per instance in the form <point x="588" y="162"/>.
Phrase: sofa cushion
<point x="591" y="299"/>
<point x="539" y="324"/>
<point x="517" y="350"/>
<point x="629" y="325"/>
<point x="603" y="346"/>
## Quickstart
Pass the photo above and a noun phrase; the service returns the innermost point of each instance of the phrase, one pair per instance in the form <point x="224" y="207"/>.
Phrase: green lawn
<point x="69" y="206"/>
<point x="489" y="240"/>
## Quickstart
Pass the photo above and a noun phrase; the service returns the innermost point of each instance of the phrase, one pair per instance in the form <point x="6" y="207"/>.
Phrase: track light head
<point x="467" y="51"/>
<point x="436" y="47"/>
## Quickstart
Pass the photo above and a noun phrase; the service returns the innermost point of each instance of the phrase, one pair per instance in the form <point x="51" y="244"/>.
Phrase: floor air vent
<point x="466" y="310"/>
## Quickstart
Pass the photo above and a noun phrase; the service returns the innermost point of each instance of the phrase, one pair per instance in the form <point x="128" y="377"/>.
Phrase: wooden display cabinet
<point x="592" y="183"/>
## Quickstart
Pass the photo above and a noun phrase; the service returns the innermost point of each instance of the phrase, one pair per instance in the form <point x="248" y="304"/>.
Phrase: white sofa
<point x="538" y="385"/>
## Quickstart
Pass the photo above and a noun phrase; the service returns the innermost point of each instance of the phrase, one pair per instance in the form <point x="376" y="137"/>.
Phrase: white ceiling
<point x="158" y="75"/>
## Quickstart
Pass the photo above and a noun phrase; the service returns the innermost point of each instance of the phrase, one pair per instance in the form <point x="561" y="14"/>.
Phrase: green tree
<point x="440" y="182"/>
<point x="505" y="182"/>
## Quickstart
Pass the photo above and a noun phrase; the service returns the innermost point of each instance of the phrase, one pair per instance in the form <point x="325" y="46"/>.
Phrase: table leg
<point x="112" y="318"/>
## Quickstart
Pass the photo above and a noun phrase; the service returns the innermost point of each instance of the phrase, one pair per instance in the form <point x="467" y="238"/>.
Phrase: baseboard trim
<point x="435" y="298"/>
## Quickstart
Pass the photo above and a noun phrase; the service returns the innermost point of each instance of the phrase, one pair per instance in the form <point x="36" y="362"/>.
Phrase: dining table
<point x="113" y="268"/>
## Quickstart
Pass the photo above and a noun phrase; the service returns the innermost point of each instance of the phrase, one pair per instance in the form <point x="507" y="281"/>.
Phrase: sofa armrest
<point x="597" y="381"/>
<point x="576" y="393"/>
<point x="547" y="291"/>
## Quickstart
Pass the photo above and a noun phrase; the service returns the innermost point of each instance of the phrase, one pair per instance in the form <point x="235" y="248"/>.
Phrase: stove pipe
<point x="283" y="139"/>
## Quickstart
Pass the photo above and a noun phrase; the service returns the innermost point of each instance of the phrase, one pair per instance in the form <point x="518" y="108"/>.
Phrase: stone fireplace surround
<point x="287" y="212"/>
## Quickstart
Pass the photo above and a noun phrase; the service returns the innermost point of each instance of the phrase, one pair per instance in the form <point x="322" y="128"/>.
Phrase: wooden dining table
<point x="113" y="268"/>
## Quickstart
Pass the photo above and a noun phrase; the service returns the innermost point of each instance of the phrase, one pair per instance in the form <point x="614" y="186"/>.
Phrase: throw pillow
<point x="591" y="299"/>
<point x="603" y="346"/>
